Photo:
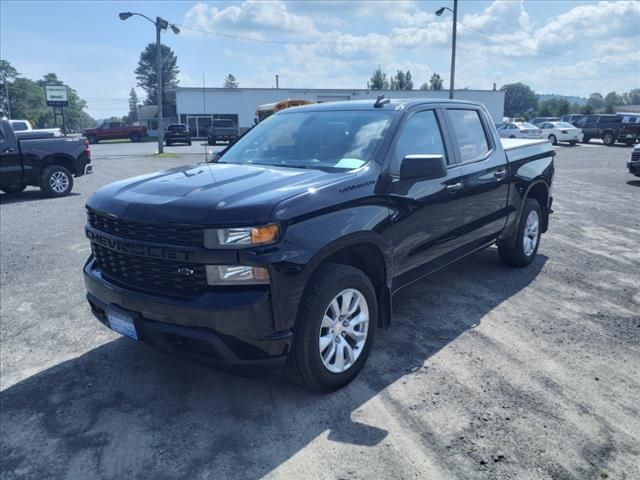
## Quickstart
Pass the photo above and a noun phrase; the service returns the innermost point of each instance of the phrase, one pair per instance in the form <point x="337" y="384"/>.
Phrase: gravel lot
<point x="487" y="373"/>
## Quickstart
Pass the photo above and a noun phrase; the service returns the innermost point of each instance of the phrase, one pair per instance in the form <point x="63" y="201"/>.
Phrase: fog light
<point x="236" y="275"/>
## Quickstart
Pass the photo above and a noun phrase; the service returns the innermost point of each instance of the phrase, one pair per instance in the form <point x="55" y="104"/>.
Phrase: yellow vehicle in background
<point x="268" y="109"/>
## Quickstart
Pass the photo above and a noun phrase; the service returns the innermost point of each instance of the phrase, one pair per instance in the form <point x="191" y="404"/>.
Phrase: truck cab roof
<point x="370" y="104"/>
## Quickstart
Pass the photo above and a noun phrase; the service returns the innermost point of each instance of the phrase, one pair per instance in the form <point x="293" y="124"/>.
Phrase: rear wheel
<point x="13" y="189"/>
<point x="572" y="143"/>
<point x="56" y="181"/>
<point x="512" y="136"/>
<point x="525" y="246"/>
<point x="608" y="139"/>
<point x="553" y="139"/>
<point x="334" y="330"/>
<point x="586" y="139"/>
<point x="134" y="137"/>
<point x="213" y="141"/>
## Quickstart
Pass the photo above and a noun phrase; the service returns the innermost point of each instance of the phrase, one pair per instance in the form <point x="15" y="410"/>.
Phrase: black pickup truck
<point x="49" y="162"/>
<point x="288" y="248"/>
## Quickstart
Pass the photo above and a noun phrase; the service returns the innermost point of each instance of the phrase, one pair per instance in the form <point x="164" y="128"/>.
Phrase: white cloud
<point x="593" y="21"/>
<point x="255" y="19"/>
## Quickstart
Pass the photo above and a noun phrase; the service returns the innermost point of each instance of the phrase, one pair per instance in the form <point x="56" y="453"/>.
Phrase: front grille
<point x="152" y="232"/>
<point x="150" y="273"/>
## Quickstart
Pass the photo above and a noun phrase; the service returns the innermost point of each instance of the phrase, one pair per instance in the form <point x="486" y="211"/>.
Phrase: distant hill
<point x="548" y="96"/>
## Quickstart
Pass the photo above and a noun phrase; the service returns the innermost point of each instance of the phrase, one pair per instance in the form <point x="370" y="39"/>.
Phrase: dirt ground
<point x="487" y="373"/>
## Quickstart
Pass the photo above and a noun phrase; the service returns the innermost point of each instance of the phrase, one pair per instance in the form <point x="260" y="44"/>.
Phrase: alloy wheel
<point x="343" y="331"/>
<point x="59" y="182"/>
<point x="530" y="237"/>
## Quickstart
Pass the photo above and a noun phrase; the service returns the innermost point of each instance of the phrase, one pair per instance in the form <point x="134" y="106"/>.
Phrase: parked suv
<point x="177" y="133"/>
<point x="222" y="130"/>
<point x="610" y="128"/>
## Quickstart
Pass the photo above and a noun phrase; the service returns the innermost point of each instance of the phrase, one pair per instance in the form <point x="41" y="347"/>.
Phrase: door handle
<point x="454" y="187"/>
<point x="8" y="150"/>
<point x="500" y="174"/>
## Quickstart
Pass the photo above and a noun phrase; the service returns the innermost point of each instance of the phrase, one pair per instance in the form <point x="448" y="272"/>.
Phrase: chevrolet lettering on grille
<point x="166" y="253"/>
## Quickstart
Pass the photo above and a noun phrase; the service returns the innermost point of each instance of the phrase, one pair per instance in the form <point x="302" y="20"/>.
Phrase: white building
<point x="198" y="106"/>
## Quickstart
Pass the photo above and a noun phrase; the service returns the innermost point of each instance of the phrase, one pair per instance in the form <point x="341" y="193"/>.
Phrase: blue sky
<point x="566" y="47"/>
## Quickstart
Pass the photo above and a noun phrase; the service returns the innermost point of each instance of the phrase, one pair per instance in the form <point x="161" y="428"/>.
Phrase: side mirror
<point x="423" y="167"/>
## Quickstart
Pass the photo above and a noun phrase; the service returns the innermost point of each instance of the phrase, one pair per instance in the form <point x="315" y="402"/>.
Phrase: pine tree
<point x="230" y="82"/>
<point x="378" y="80"/>
<point x="133" y="106"/>
<point x="146" y="74"/>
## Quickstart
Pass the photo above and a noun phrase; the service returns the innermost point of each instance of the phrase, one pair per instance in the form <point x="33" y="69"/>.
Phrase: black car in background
<point x="177" y="133"/>
<point x="634" y="162"/>
<point x="610" y="128"/>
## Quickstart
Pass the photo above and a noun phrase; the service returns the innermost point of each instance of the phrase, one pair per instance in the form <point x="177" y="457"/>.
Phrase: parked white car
<point x="519" y="130"/>
<point x="25" y="126"/>
<point x="561" y="132"/>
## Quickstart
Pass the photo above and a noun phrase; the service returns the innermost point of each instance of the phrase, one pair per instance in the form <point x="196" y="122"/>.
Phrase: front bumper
<point x="634" y="167"/>
<point x="231" y="328"/>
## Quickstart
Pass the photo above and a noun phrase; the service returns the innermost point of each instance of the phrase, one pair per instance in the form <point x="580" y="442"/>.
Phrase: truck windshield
<point x="341" y="140"/>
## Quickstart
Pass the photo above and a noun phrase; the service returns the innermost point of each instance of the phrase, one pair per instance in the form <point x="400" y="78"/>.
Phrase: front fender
<point x="308" y="243"/>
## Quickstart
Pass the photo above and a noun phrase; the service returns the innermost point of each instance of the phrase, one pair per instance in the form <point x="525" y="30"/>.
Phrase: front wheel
<point x="334" y="330"/>
<point x="586" y="139"/>
<point x="56" y="181"/>
<point x="572" y="143"/>
<point x="608" y="139"/>
<point x="553" y="139"/>
<point x="525" y="246"/>
<point x="134" y="137"/>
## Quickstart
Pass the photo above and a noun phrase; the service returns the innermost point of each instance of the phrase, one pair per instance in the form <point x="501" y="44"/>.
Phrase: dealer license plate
<point x="122" y="323"/>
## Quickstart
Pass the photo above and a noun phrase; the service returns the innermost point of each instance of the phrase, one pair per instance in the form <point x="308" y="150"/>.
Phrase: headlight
<point x="240" y="237"/>
<point x="236" y="275"/>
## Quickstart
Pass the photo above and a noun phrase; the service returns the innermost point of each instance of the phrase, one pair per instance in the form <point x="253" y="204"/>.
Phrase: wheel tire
<point x="134" y="137"/>
<point x="515" y="255"/>
<point x="13" y="189"/>
<point x="629" y="143"/>
<point x="608" y="139"/>
<point x="189" y="143"/>
<point x="586" y="139"/>
<point x="553" y="139"/>
<point x="92" y="139"/>
<point x="56" y="181"/>
<point x="167" y="143"/>
<point x="512" y="136"/>
<point x="572" y="143"/>
<point x="214" y="140"/>
<point x="304" y="364"/>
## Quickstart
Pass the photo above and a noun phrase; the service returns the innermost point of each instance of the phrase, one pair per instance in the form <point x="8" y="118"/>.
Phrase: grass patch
<point x="163" y="155"/>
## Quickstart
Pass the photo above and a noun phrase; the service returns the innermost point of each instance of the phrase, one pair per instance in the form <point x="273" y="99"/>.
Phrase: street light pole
<point x="160" y="24"/>
<point x="159" y="87"/>
<point x="453" y="48"/>
<point x="439" y="12"/>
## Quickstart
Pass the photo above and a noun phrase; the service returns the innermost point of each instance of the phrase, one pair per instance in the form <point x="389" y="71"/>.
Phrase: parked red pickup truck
<point x="113" y="130"/>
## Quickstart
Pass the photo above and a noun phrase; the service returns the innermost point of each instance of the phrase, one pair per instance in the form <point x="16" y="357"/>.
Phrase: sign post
<point x="58" y="98"/>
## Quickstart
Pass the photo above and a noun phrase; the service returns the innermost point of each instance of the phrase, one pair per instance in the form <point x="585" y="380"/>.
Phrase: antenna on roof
<point x="381" y="101"/>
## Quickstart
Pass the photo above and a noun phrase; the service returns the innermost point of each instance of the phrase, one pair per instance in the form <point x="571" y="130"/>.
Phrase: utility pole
<point x="160" y="24"/>
<point x="277" y="82"/>
<point x="6" y="94"/>
<point x="159" y="86"/>
<point x="453" y="49"/>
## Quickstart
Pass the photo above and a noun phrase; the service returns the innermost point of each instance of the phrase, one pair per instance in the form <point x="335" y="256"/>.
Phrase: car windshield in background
<point x="177" y="128"/>
<point x="563" y="125"/>
<point x="526" y="125"/>
<point x="325" y="140"/>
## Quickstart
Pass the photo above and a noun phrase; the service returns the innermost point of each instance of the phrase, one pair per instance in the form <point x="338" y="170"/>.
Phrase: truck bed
<point x="519" y="148"/>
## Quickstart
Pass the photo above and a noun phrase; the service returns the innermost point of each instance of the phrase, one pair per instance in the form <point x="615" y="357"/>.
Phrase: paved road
<point x="488" y="372"/>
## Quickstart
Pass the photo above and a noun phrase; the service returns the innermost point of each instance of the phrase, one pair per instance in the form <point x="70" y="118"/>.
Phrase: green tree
<point x="401" y="81"/>
<point x="518" y="99"/>
<point x="595" y="101"/>
<point x="424" y="86"/>
<point x="632" y="97"/>
<point x="146" y="72"/>
<point x="587" y="109"/>
<point x="435" y="82"/>
<point x="378" y="80"/>
<point x="133" y="106"/>
<point x="611" y="100"/>
<point x="230" y="82"/>
<point x="7" y="73"/>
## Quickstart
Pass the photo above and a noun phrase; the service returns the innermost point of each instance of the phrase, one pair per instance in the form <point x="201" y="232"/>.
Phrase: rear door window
<point x="472" y="138"/>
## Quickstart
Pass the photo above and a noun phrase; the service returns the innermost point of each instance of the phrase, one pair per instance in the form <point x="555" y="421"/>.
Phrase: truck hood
<point x="208" y="194"/>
